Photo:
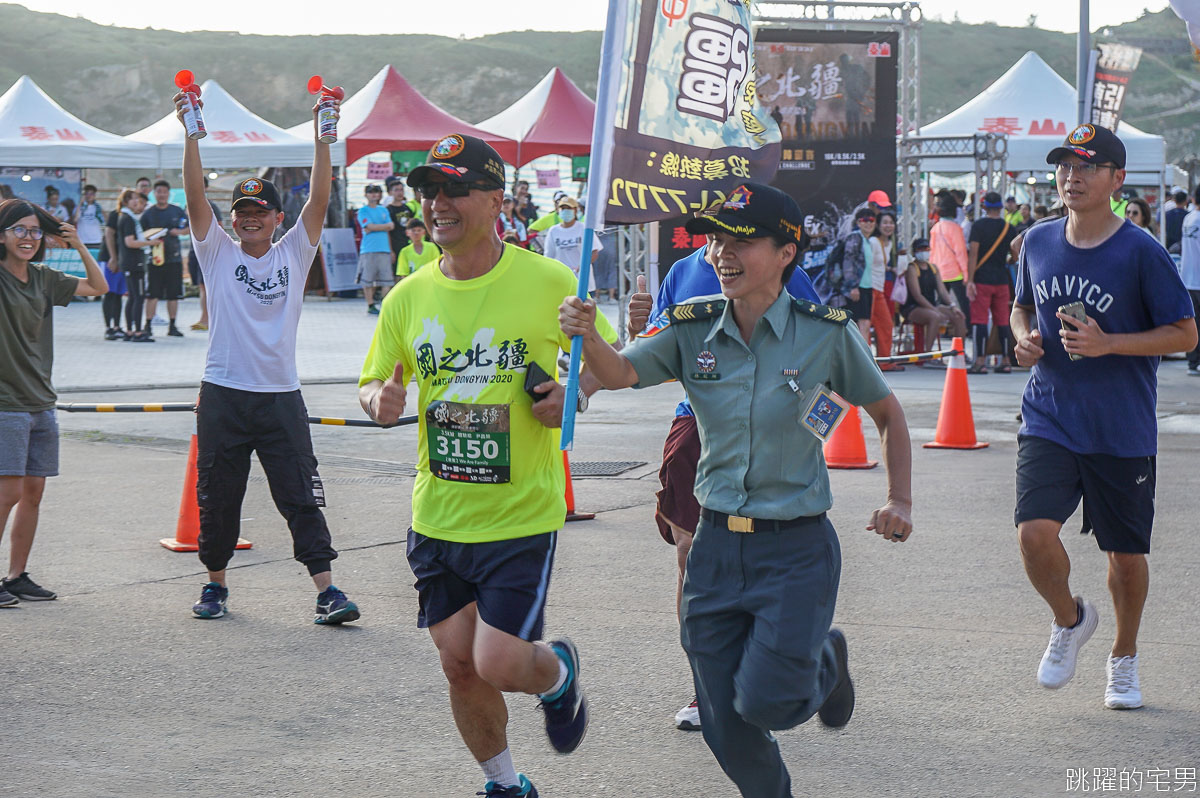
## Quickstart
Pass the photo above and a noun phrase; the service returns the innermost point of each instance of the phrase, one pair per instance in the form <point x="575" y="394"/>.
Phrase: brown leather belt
<point x="737" y="523"/>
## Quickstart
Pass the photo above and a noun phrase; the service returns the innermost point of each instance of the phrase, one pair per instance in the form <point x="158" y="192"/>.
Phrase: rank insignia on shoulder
<point x="695" y="311"/>
<point x="822" y="312"/>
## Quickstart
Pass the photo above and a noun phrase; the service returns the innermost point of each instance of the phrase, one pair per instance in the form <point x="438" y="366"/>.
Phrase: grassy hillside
<point x="121" y="79"/>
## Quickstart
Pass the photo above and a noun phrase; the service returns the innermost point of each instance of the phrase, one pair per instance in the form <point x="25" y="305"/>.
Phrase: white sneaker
<point x="1058" y="663"/>
<point x="1123" y="691"/>
<point x="688" y="718"/>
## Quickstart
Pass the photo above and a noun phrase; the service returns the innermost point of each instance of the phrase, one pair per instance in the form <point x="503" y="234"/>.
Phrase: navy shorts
<point x="28" y="444"/>
<point x="1117" y="492"/>
<point x="507" y="579"/>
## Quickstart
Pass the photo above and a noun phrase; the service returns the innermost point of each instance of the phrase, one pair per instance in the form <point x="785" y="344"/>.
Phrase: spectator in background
<point x="1040" y="212"/>
<point x="1138" y="211"/>
<point x="883" y="310"/>
<point x="929" y="303"/>
<point x="605" y="266"/>
<point x="564" y="241"/>
<point x="89" y="220"/>
<point x="510" y="228"/>
<point x="165" y="280"/>
<point x="142" y="186"/>
<point x="53" y="208"/>
<point x="948" y="252"/>
<point x="851" y="277"/>
<point x="401" y="210"/>
<point x="110" y="261"/>
<point x="546" y="221"/>
<point x="1027" y="219"/>
<point x="1012" y="212"/>
<point x="417" y="252"/>
<point x="131" y="249"/>
<point x="1189" y="268"/>
<point x="375" y="252"/>
<point x="988" y="281"/>
<point x="1174" y="221"/>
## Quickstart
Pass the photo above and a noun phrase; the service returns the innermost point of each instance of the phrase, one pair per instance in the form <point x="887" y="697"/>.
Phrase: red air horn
<point x="326" y="113"/>
<point x="192" y="119"/>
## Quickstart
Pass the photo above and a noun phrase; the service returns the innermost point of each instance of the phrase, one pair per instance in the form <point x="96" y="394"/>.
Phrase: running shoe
<point x="1058" y="663"/>
<point x="26" y="589"/>
<point x="212" y="601"/>
<point x="373" y="309"/>
<point x="333" y="607"/>
<point x="688" y="718"/>
<point x="839" y="704"/>
<point x="566" y="711"/>
<point x="174" y="332"/>
<point x="8" y="599"/>
<point x="1123" y="691"/>
<point x="521" y="790"/>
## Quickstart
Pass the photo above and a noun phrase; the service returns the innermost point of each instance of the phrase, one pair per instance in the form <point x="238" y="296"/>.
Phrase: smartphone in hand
<point x="1075" y="310"/>
<point x="535" y="375"/>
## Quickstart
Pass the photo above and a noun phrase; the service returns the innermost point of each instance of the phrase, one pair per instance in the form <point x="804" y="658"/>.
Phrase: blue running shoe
<point x="566" y="711"/>
<point x="522" y="790"/>
<point x="212" y="601"/>
<point x="333" y="607"/>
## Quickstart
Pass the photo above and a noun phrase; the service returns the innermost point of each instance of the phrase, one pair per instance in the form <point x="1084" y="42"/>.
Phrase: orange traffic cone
<point x="956" y="424"/>
<point x="187" y="527"/>
<point x="571" y="514"/>
<point x="846" y="447"/>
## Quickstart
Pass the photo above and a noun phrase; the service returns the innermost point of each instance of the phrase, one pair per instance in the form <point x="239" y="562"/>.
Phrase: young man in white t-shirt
<point x="250" y="396"/>
<point x="564" y="241"/>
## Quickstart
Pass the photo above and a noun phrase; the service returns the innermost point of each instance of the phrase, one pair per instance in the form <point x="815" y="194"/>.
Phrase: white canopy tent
<point x="236" y="137"/>
<point x="35" y="131"/>
<point x="1035" y="107"/>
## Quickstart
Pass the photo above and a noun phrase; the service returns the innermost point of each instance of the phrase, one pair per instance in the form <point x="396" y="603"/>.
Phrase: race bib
<point x="468" y="443"/>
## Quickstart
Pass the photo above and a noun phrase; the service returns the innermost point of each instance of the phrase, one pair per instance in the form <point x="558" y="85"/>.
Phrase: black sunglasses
<point x="430" y="191"/>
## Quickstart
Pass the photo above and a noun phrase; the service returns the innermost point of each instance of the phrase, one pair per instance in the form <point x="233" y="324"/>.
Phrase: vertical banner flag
<point x="678" y="123"/>
<point x="1115" y="64"/>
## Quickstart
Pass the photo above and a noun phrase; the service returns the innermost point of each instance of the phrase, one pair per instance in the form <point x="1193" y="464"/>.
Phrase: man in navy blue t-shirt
<point x="1090" y="428"/>
<point x="678" y="512"/>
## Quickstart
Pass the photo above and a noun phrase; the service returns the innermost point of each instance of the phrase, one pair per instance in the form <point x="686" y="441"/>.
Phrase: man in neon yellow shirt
<point x="489" y="493"/>
<point x="417" y="252"/>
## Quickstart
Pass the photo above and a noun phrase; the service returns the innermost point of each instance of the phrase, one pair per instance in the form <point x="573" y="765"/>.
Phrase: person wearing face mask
<point x="564" y="241"/>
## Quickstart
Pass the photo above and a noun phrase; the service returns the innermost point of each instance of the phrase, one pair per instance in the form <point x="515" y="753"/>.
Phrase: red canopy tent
<point x="554" y="118"/>
<point x="400" y="118"/>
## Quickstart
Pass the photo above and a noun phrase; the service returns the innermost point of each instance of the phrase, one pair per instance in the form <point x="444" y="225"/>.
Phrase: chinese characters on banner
<point x="832" y="95"/>
<point x="688" y="126"/>
<point x="1115" y="64"/>
<point x="379" y="170"/>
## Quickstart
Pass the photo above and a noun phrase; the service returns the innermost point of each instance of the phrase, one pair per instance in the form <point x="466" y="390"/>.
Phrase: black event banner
<point x="833" y="96"/>
<point x="1114" y="66"/>
<point x="686" y="124"/>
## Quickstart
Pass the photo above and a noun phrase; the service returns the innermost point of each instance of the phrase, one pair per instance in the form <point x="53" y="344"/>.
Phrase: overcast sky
<point x="479" y="17"/>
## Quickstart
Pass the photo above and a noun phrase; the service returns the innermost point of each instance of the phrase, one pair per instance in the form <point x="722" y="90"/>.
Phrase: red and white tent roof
<point x="554" y="118"/>
<point x="236" y="137"/>
<point x="1036" y="108"/>
<point x="35" y="131"/>
<point x="389" y="114"/>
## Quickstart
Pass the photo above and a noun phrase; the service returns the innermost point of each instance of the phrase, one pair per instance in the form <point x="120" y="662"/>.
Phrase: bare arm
<point x="612" y="369"/>
<point x="110" y="238"/>
<point x="914" y="287"/>
<point x="1025" y="332"/>
<point x="972" y="261"/>
<point x="319" y="181"/>
<point x="893" y="521"/>
<point x="1091" y="341"/>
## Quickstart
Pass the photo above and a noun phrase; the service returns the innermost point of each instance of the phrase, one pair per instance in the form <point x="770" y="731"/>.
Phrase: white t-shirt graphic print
<point x="253" y="309"/>
<point x="565" y="245"/>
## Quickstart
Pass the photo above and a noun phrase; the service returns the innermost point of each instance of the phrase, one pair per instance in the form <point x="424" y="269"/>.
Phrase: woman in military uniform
<point x="766" y="374"/>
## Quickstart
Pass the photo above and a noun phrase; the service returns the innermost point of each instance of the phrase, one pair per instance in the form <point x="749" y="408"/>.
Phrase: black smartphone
<point x="535" y="375"/>
<point x="1075" y="310"/>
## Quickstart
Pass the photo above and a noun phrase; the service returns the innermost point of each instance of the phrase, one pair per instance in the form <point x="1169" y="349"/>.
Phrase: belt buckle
<point x="736" y="523"/>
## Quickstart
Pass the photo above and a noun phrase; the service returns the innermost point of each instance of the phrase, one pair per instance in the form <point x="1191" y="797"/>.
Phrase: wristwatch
<point x="581" y="402"/>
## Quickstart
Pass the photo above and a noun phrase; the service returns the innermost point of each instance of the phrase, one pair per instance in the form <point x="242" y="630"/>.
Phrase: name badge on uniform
<point x="822" y="410"/>
<point x="706" y="367"/>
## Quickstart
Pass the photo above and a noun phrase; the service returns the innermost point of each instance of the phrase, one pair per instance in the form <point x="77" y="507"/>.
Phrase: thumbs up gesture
<point x="640" y="305"/>
<point x="389" y="402"/>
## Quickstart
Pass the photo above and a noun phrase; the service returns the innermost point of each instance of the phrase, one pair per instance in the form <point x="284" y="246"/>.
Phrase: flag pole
<point x="597" y="193"/>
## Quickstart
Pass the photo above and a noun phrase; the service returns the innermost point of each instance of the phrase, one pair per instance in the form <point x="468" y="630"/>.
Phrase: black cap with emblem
<point x="462" y="159"/>
<point x="1093" y="144"/>
<point x="753" y="210"/>
<point x="258" y="191"/>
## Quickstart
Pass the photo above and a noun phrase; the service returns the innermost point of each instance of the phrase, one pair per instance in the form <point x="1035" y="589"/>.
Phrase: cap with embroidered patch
<point x="753" y="210"/>
<point x="258" y="191"/>
<point x="462" y="159"/>
<point x="1092" y="144"/>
